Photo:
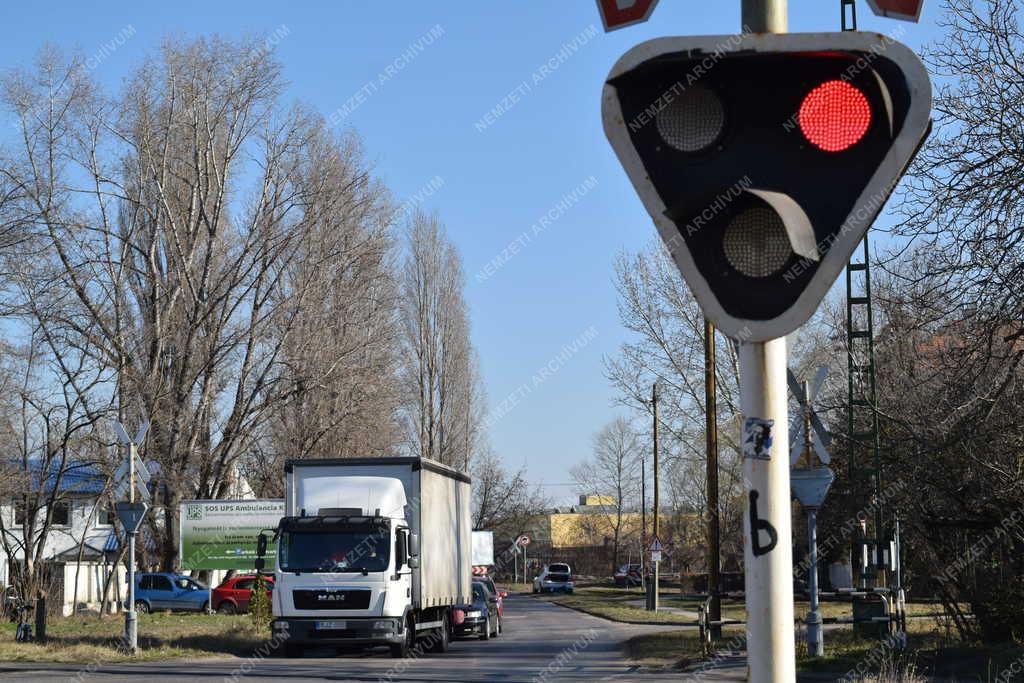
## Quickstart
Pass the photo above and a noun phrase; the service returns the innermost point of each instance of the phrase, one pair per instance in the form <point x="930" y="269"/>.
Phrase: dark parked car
<point x="480" y="619"/>
<point x="629" y="575"/>
<point x="169" y="591"/>
<point x="232" y="596"/>
<point x="488" y="582"/>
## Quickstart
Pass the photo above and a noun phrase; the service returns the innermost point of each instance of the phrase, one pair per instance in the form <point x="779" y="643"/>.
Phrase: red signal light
<point x="835" y="116"/>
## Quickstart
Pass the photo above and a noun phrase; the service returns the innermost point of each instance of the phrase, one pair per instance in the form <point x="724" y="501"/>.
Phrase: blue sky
<point x="426" y="126"/>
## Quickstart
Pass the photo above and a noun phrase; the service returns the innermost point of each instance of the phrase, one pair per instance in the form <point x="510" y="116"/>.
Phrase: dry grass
<point x="610" y="603"/>
<point x="161" y="636"/>
<point x="672" y="648"/>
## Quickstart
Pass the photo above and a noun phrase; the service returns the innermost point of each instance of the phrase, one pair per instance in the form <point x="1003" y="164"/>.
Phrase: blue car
<point x="169" y="591"/>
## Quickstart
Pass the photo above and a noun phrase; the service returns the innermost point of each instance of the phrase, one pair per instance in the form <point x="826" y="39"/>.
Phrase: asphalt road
<point x="540" y="642"/>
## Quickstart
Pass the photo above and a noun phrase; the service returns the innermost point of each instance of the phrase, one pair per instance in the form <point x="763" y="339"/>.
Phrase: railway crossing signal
<point x="821" y="439"/>
<point x="763" y="159"/>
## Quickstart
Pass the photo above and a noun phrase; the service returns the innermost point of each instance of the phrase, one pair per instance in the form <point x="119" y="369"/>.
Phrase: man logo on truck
<point x="331" y="596"/>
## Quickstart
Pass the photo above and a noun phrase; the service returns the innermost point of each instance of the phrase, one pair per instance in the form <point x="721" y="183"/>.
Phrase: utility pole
<point x="643" y="522"/>
<point x="654" y="403"/>
<point x="711" y="417"/>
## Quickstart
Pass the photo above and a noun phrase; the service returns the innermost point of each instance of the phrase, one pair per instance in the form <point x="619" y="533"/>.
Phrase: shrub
<point x="259" y="605"/>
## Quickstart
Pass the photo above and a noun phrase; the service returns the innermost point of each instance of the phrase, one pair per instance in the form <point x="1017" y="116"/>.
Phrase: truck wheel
<point x="440" y="640"/>
<point x="402" y="650"/>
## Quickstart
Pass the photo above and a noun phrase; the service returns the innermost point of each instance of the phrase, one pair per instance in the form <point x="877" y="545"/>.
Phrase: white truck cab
<point x="371" y="551"/>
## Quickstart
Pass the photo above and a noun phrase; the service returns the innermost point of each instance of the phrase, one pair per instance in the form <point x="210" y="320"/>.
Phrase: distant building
<point x="584" y="535"/>
<point x="591" y="523"/>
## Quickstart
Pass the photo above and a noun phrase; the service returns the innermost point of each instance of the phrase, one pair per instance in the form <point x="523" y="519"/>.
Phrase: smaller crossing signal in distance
<point x="763" y="159"/>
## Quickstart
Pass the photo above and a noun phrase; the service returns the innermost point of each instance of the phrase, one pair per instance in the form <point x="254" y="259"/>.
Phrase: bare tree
<point x="443" y="402"/>
<point x="46" y="430"/>
<point x="961" y="201"/>
<point x="194" y="228"/>
<point x="667" y="346"/>
<point x="612" y="472"/>
<point x="953" y="321"/>
<point x="504" y="501"/>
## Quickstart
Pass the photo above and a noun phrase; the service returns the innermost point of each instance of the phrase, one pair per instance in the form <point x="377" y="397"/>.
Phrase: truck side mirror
<point x="414" y="546"/>
<point x="259" y="564"/>
<point x="414" y="563"/>
<point x="261" y="545"/>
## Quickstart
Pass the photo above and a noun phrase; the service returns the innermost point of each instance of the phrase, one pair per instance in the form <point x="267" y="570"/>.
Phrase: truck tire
<point x="440" y="641"/>
<point x="402" y="650"/>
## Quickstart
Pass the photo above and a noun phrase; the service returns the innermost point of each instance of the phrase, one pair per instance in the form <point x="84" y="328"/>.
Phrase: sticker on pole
<point x="757" y="438"/>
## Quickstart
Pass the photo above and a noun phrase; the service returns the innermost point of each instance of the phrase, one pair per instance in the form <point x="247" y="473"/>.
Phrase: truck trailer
<point x="371" y="551"/>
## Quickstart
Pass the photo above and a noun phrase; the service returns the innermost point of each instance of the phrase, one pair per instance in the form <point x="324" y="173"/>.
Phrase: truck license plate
<point x="330" y="625"/>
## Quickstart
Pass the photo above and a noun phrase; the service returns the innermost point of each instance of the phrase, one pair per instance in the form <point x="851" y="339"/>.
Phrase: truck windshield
<point x="334" y="551"/>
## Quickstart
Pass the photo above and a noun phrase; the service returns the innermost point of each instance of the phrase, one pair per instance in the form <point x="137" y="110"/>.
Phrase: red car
<point x="500" y="594"/>
<point x="232" y="596"/>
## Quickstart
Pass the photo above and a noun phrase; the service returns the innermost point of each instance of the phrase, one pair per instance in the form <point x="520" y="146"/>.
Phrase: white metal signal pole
<point x="768" y="553"/>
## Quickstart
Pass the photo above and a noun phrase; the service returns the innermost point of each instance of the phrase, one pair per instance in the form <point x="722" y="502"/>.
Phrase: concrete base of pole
<point x="131" y="617"/>
<point x="657" y="587"/>
<point x="815" y="641"/>
<point x="131" y="631"/>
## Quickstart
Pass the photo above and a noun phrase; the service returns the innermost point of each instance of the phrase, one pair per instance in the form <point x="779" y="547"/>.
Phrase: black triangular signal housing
<point x="764" y="158"/>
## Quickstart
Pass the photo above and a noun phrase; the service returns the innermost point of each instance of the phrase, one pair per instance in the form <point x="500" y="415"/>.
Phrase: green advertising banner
<point x="221" y="534"/>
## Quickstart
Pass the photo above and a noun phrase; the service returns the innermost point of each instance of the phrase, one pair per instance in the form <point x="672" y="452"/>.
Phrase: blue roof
<point x="78" y="476"/>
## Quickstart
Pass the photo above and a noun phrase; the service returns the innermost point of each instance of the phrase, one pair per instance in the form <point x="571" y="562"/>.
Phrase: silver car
<point x="555" y="577"/>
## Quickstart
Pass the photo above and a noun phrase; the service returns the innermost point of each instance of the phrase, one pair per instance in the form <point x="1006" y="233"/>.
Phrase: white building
<point x="82" y="545"/>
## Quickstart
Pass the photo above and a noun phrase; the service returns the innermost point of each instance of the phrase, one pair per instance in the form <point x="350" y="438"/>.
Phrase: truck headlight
<point x="473" y="614"/>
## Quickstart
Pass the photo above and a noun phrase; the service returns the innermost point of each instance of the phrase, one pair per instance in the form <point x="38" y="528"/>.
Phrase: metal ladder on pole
<point x="862" y="414"/>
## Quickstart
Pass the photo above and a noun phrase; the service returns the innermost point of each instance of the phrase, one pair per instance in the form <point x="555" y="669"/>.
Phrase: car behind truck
<point x="371" y="551"/>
